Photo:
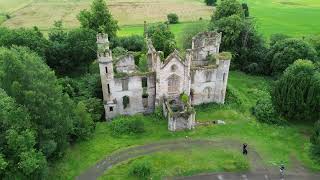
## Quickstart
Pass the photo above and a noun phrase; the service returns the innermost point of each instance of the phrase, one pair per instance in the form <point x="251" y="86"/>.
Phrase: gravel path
<point x="257" y="171"/>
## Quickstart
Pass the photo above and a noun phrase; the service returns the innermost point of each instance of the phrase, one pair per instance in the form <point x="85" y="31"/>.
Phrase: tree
<point x="131" y="43"/>
<point x="296" y="95"/>
<point x="190" y="30"/>
<point x="245" y="8"/>
<point x="173" y="18"/>
<point x="239" y="36"/>
<point x="25" y="77"/>
<point x="84" y="125"/>
<point x="315" y="42"/>
<point x="71" y="52"/>
<point x="19" y="158"/>
<point x="210" y="2"/>
<point x="31" y="38"/>
<point x="228" y="8"/>
<point x="99" y="19"/>
<point x="162" y="38"/>
<point x="285" y="52"/>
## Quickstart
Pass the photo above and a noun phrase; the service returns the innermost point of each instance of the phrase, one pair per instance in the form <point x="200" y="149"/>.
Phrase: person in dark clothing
<point x="244" y="149"/>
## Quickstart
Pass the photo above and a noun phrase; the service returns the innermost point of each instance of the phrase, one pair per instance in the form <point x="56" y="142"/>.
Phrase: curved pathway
<point x="257" y="171"/>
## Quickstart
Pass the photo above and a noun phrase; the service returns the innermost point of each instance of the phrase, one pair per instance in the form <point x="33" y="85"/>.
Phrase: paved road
<point x="258" y="170"/>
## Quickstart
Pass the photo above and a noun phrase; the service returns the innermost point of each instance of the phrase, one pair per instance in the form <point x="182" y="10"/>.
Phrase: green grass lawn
<point x="175" y="163"/>
<point x="275" y="144"/>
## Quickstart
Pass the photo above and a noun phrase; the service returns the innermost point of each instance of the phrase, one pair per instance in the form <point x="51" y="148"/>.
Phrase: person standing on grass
<point x="244" y="149"/>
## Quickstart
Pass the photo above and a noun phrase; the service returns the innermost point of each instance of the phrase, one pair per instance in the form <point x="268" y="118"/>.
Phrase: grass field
<point x="44" y="12"/>
<point x="174" y="163"/>
<point x="292" y="17"/>
<point x="275" y="144"/>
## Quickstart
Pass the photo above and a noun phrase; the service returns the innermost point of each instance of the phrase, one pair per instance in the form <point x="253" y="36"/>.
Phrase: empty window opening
<point x="106" y="69"/>
<point x="110" y="109"/>
<point x="224" y="77"/>
<point x="208" y="76"/>
<point x="108" y="88"/>
<point x="192" y="76"/>
<point x="144" y="82"/>
<point x="125" y="101"/>
<point x="124" y="84"/>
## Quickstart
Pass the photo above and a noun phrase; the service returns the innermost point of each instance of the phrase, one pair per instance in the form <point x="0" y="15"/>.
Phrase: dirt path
<point x="257" y="171"/>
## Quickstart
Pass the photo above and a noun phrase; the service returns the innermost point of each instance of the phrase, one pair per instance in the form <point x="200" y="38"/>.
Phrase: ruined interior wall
<point x="125" y="64"/>
<point x="134" y="92"/>
<point x="165" y="72"/>
<point x="203" y="90"/>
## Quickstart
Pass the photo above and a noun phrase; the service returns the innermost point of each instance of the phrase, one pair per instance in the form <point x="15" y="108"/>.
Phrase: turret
<point x="104" y="56"/>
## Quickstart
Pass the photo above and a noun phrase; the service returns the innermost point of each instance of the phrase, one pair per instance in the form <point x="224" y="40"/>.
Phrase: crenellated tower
<point x="106" y="73"/>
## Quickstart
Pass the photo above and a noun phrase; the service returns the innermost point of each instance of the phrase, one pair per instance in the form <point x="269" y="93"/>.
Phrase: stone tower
<point x="106" y="74"/>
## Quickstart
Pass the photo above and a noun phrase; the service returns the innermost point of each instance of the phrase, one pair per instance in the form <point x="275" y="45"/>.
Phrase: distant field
<point x="292" y="17"/>
<point x="44" y="12"/>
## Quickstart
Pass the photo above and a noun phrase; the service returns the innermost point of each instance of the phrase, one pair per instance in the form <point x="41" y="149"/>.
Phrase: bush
<point x="173" y="18"/>
<point x="296" y="95"/>
<point x="132" y="43"/>
<point x="125" y="125"/>
<point x="210" y="2"/>
<point x="233" y="97"/>
<point x="315" y="140"/>
<point x="142" y="170"/>
<point x="265" y="112"/>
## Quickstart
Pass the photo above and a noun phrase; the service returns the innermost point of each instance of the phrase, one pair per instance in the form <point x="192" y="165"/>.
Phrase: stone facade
<point x="202" y="74"/>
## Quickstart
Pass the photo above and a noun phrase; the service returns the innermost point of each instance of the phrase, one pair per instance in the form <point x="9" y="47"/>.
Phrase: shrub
<point x="132" y="43"/>
<point x="265" y="112"/>
<point x="210" y="2"/>
<point x="233" y="97"/>
<point x="124" y="125"/>
<point x="158" y="114"/>
<point x="184" y="98"/>
<point x="142" y="170"/>
<point x="119" y="51"/>
<point x="315" y="140"/>
<point x="296" y="95"/>
<point x="173" y="18"/>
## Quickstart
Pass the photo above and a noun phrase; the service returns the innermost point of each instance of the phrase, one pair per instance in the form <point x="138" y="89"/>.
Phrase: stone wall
<point x="125" y="64"/>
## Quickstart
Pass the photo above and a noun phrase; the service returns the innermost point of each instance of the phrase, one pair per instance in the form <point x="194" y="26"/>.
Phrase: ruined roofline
<point x="175" y="53"/>
<point x="208" y="34"/>
<point x="150" y="45"/>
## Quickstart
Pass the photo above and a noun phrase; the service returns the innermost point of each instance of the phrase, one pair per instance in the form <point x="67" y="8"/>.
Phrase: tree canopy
<point x="285" y="52"/>
<point x="296" y="95"/>
<point x="162" y="38"/>
<point x="99" y="19"/>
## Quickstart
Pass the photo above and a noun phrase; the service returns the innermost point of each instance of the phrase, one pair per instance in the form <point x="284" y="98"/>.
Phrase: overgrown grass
<point x="274" y="143"/>
<point x="182" y="163"/>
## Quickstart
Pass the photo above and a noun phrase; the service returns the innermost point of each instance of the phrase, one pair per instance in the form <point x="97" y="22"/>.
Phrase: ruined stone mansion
<point x="202" y="74"/>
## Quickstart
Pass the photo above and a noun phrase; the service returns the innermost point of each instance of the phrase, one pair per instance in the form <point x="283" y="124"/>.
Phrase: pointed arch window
<point x="173" y="84"/>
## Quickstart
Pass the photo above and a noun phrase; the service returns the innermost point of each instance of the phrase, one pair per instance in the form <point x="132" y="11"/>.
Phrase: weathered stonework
<point x="202" y="74"/>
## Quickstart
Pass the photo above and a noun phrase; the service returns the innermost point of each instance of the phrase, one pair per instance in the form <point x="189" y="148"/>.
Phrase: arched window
<point x="173" y="68"/>
<point x="125" y="101"/>
<point x="173" y="84"/>
<point x="207" y="92"/>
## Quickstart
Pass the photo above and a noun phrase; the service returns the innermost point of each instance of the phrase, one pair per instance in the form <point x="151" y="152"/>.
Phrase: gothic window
<point x="125" y="101"/>
<point x="173" y="84"/>
<point x="106" y="69"/>
<point x="124" y="83"/>
<point x="207" y="92"/>
<point x="192" y="76"/>
<point x="144" y="82"/>
<point x="108" y="88"/>
<point x="110" y="109"/>
<point x="208" y="76"/>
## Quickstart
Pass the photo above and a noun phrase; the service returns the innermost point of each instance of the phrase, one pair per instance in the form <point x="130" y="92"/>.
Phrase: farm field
<point x="44" y="12"/>
<point x="275" y="144"/>
<point x="293" y="17"/>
